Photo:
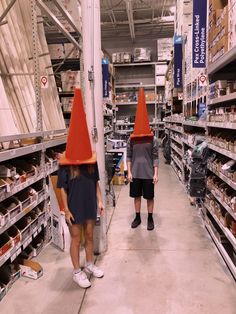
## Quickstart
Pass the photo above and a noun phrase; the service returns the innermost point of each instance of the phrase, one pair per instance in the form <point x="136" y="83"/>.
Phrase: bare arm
<point x="68" y="215"/>
<point x="64" y="200"/>
<point x="129" y="158"/>
<point x="99" y="198"/>
<point x="129" y="165"/>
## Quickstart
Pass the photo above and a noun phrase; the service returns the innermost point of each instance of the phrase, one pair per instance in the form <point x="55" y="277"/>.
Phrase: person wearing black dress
<point x="78" y="179"/>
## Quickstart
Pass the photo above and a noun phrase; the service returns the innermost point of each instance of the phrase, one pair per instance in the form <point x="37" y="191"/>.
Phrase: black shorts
<point x="142" y="187"/>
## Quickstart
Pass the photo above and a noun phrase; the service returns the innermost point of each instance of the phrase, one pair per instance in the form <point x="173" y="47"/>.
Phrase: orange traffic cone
<point x="141" y="125"/>
<point x="78" y="146"/>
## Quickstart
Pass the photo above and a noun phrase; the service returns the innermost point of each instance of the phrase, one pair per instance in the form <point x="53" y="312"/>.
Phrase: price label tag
<point x="13" y="220"/>
<point x="18" y="251"/>
<point x="13" y="257"/>
<point x="7" y="256"/>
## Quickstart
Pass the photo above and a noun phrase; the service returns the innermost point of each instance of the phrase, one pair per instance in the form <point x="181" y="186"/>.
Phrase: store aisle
<point x="173" y="269"/>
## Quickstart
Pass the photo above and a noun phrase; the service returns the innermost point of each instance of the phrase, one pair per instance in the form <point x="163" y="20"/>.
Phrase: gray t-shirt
<point x="143" y="155"/>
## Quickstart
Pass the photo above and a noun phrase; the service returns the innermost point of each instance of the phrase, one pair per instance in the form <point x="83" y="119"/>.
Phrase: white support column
<point x="92" y="61"/>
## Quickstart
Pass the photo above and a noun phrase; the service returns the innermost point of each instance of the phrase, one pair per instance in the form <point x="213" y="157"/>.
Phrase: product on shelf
<point x="121" y="57"/>
<point x="70" y="80"/>
<point x="12" y="206"/>
<point x="142" y="54"/>
<point x="218" y="29"/>
<point x="5" y="243"/>
<point x="223" y="139"/>
<point x="222" y="114"/>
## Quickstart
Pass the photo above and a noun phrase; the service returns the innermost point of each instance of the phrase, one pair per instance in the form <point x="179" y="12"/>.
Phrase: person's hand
<point x="101" y="208"/>
<point x="155" y="179"/>
<point x="130" y="177"/>
<point x="69" y="217"/>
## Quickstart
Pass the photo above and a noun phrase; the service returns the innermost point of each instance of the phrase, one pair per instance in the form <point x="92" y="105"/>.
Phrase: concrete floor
<point x="173" y="269"/>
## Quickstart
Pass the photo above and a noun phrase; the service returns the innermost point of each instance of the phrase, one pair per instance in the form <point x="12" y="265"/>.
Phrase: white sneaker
<point x="92" y="269"/>
<point x="82" y="280"/>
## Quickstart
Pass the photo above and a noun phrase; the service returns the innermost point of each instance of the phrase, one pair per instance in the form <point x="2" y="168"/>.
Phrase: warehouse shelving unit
<point x="219" y="206"/>
<point x="14" y="147"/>
<point x="218" y="209"/>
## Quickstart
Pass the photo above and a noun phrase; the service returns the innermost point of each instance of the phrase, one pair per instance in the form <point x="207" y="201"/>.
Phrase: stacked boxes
<point x="218" y="29"/>
<point x="232" y="23"/>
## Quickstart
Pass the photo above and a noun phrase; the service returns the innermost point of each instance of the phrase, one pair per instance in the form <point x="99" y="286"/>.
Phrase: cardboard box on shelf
<point x="70" y="80"/>
<point x="218" y="4"/>
<point x="164" y="48"/>
<point x="68" y="47"/>
<point x="57" y="51"/>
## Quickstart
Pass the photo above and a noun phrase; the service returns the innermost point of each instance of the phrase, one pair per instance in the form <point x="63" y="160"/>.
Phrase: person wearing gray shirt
<point x="142" y="163"/>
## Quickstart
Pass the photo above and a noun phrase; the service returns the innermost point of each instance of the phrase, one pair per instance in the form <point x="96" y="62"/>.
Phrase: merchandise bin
<point x="4" y="187"/>
<point x="41" y="218"/>
<point x="24" y="226"/>
<point x="4" y="216"/>
<point x="38" y="243"/>
<point x="24" y="198"/>
<point x="33" y="194"/>
<point x="29" y="250"/>
<point x="7" y="170"/>
<point x="39" y="188"/>
<point x="24" y="168"/>
<point x="32" y="216"/>
<point x="9" y="273"/>
<point x="14" y="234"/>
<point x="13" y="206"/>
<point x="5" y="244"/>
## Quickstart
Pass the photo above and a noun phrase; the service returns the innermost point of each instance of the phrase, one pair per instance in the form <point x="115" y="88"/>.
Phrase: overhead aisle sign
<point x="105" y="77"/>
<point x="199" y="33"/>
<point x="178" y="62"/>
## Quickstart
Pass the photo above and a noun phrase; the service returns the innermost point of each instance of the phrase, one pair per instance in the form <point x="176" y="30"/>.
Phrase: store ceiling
<point x="136" y="19"/>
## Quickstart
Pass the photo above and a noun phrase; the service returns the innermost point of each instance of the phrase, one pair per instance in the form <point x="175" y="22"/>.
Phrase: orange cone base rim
<point x="67" y="162"/>
<point x="141" y="135"/>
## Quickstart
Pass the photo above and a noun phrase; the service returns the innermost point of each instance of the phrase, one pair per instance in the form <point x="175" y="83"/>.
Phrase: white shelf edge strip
<point x="222" y="151"/>
<point x="222" y="251"/>
<point x="226" y="207"/>
<point x="225" y="230"/>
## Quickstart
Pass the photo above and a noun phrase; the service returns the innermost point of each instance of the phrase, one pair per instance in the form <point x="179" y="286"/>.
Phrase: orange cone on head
<point x="78" y="146"/>
<point x="141" y="125"/>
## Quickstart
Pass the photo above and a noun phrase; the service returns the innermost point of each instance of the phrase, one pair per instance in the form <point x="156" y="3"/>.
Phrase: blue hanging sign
<point x="178" y="62"/>
<point x="105" y="77"/>
<point x="199" y="33"/>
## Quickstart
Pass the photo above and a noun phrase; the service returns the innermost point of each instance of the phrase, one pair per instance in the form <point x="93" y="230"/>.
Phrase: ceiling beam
<point x="156" y="20"/>
<point x="129" y="11"/>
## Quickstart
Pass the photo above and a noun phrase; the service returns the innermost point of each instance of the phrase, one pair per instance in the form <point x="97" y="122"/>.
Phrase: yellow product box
<point x="218" y="4"/>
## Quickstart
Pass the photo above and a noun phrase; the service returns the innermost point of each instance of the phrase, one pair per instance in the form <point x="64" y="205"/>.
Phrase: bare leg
<point x="137" y="204"/>
<point x="89" y="226"/>
<point x="75" y="232"/>
<point x="150" y="206"/>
